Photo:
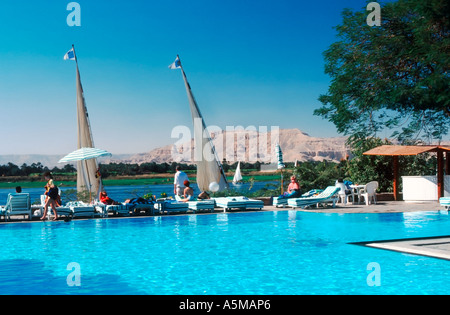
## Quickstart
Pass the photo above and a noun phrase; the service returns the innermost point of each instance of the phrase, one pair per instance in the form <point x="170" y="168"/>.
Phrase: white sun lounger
<point x="279" y="201"/>
<point x="17" y="204"/>
<point x="81" y="209"/>
<point x="329" y="195"/>
<point x="201" y="205"/>
<point x="171" y="206"/>
<point x="445" y="201"/>
<point x="242" y="203"/>
<point x="283" y="201"/>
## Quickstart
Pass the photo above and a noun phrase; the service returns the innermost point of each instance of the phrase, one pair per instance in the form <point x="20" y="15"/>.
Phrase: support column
<point x="395" y="184"/>
<point x="440" y="174"/>
<point x="447" y="163"/>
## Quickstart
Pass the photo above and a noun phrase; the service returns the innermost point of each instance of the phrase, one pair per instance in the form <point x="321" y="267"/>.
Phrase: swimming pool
<point x="269" y="253"/>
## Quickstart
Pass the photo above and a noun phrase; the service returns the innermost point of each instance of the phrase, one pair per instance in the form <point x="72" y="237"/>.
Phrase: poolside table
<point x="357" y="190"/>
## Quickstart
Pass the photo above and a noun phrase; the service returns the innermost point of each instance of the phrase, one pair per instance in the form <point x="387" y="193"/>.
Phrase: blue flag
<point x="176" y="64"/>
<point x="70" y="55"/>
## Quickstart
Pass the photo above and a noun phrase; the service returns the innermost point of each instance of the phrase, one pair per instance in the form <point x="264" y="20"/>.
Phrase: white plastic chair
<point x="369" y="192"/>
<point x="343" y="197"/>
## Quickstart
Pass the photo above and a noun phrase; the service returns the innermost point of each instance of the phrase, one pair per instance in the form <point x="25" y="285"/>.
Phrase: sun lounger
<point x="201" y="205"/>
<point x="445" y="201"/>
<point x="329" y="195"/>
<point x="63" y="211"/>
<point x="283" y="201"/>
<point x="122" y="210"/>
<point x="171" y="206"/>
<point x="279" y="201"/>
<point x="81" y="209"/>
<point x="148" y="208"/>
<point x="138" y="205"/>
<point x="242" y="203"/>
<point x="17" y="204"/>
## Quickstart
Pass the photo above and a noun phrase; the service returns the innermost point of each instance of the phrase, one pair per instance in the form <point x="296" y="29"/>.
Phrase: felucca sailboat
<point x="237" y="175"/>
<point x="88" y="175"/>
<point x="210" y="174"/>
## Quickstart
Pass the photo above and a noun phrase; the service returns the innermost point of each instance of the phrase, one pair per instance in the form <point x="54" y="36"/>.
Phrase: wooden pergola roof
<point x="400" y="150"/>
<point x="397" y="150"/>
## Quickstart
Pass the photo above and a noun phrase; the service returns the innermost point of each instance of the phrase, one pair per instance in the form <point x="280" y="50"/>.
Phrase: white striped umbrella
<point x="84" y="154"/>
<point x="280" y="163"/>
<point x="279" y="157"/>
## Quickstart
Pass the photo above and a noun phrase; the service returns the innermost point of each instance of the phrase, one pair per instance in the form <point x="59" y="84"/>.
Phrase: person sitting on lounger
<point x="188" y="194"/>
<point x="104" y="198"/>
<point x="293" y="190"/>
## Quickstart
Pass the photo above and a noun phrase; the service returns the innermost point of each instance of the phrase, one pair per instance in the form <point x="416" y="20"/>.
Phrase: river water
<point x="121" y="193"/>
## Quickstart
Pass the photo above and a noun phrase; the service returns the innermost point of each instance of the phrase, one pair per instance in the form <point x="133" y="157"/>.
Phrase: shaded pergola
<point x="401" y="150"/>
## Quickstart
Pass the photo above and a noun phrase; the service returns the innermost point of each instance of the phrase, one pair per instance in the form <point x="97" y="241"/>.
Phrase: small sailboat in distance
<point x="237" y="175"/>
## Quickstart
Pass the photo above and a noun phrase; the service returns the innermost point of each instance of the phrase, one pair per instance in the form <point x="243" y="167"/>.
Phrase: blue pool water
<point x="281" y="252"/>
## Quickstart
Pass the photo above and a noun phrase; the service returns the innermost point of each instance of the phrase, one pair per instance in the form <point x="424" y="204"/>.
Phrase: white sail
<point x="88" y="178"/>
<point x="237" y="175"/>
<point x="209" y="169"/>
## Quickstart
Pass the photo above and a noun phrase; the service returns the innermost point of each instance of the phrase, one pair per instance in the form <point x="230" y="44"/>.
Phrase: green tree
<point x="317" y="175"/>
<point x="395" y="76"/>
<point x="362" y="169"/>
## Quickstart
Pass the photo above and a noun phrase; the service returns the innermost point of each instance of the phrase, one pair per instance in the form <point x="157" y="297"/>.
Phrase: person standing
<point x="178" y="184"/>
<point x="52" y="196"/>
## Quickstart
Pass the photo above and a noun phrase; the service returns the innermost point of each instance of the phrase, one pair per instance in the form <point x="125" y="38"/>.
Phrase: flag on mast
<point x="70" y="55"/>
<point x="176" y="64"/>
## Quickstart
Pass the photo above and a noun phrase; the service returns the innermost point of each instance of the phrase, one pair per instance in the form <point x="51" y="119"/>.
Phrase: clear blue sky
<point x="250" y="63"/>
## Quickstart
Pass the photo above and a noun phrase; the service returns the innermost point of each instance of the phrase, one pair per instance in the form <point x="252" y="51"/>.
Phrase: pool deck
<point x="380" y="207"/>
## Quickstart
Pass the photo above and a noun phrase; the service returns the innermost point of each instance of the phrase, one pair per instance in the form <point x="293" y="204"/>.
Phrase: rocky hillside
<point x="255" y="146"/>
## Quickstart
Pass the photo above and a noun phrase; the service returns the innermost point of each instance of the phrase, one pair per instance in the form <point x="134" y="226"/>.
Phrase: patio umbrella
<point x="279" y="157"/>
<point x="85" y="154"/>
<point x="280" y="163"/>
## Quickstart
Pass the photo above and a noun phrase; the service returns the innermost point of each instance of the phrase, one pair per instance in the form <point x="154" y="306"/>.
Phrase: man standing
<point x="178" y="184"/>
